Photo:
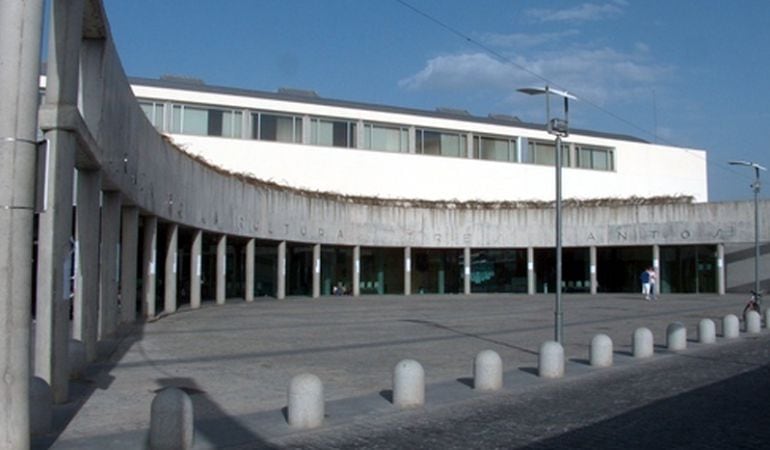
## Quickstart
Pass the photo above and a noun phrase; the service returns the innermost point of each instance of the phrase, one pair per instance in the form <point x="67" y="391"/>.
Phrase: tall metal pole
<point x="21" y="25"/>
<point x="559" y="328"/>
<point x="756" y="187"/>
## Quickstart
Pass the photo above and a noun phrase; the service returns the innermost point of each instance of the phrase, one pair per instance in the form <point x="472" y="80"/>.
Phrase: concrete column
<point x="656" y="266"/>
<point x="249" y="282"/>
<point x="316" y="270"/>
<point x="169" y="275"/>
<point x="20" y="35"/>
<point x="108" y="263"/>
<point x="531" y="289"/>
<point x="196" y="269"/>
<point x="593" y="268"/>
<point x="149" y="261"/>
<point x="407" y="270"/>
<point x="55" y="230"/>
<point x="356" y="271"/>
<point x="129" y="246"/>
<point x="721" y="269"/>
<point x="467" y="270"/>
<point x="221" y="269"/>
<point x="85" y="310"/>
<point x="281" y="271"/>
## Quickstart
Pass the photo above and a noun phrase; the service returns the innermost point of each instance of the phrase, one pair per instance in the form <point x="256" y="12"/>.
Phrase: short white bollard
<point x="171" y="420"/>
<point x="408" y="384"/>
<point x="77" y="358"/>
<point x="550" y="361"/>
<point x="731" y="326"/>
<point x="642" y="343"/>
<point x="600" y="353"/>
<point x="487" y="371"/>
<point x="676" y="336"/>
<point x="40" y="406"/>
<point x="305" y="402"/>
<point x="707" y="331"/>
<point x="753" y="322"/>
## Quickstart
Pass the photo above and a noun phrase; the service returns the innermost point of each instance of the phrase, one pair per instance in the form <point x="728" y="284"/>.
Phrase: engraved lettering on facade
<point x="286" y="228"/>
<point x="622" y="235"/>
<point x="339" y="234"/>
<point x="437" y="237"/>
<point x="321" y="232"/>
<point x="467" y="238"/>
<point x="303" y="230"/>
<point x="685" y="234"/>
<point x="591" y="237"/>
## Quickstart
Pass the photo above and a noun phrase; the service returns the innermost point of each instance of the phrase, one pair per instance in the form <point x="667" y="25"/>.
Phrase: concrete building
<point x="245" y="194"/>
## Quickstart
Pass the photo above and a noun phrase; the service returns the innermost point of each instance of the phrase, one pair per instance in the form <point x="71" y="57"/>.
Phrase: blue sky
<point x="693" y="73"/>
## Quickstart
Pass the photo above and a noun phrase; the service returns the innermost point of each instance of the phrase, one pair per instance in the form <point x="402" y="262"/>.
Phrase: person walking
<point x="645" y="279"/>
<point x="653" y="279"/>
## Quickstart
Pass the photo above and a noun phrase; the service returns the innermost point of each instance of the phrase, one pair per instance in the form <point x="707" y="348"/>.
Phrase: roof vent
<point x="454" y="111"/>
<point x="504" y="118"/>
<point x="182" y="79"/>
<point x="298" y="92"/>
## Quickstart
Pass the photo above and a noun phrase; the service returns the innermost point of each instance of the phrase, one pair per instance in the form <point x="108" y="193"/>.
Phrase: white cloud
<point x="583" y="13"/>
<point x="524" y="41"/>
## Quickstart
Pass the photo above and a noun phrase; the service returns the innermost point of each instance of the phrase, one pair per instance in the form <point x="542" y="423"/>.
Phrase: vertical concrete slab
<point x="86" y="307"/>
<point x="721" y="269"/>
<point x="407" y="270"/>
<point x="170" y="269"/>
<point x="221" y="269"/>
<point x="316" y="270"/>
<point x="248" y="295"/>
<point x="656" y="266"/>
<point x="196" y="269"/>
<point x="593" y="269"/>
<point x="108" y="263"/>
<point x="129" y="249"/>
<point x="20" y="36"/>
<point x="531" y="271"/>
<point x="356" y="271"/>
<point x="281" y="271"/>
<point x="467" y="270"/>
<point x="149" y="261"/>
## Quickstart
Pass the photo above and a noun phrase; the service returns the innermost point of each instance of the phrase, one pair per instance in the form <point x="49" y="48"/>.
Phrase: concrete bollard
<point x="600" y="353"/>
<point x="408" y="384"/>
<point x="550" y="361"/>
<point x="171" y="420"/>
<point x="40" y="407"/>
<point x="676" y="336"/>
<point x="753" y="322"/>
<point x="642" y="343"/>
<point x="730" y="326"/>
<point x="77" y="358"/>
<point x="487" y="371"/>
<point x="707" y="331"/>
<point x="306" y="401"/>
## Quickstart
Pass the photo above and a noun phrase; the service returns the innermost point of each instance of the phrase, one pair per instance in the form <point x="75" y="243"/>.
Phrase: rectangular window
<point x="333" y="133"/>
<point x="275" y="127"/>
<point x="541" y="152"/>
<point x="441" y="143"/>
<point x="494" y="149"/>
<point x="186" y="119"/>
<point x="386" y="138"/>
<point x="154" y="112"/>
<point x="595" y="158"/>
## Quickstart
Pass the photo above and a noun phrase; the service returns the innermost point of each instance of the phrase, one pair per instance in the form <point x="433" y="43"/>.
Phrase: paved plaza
<point x="236" y="361"/>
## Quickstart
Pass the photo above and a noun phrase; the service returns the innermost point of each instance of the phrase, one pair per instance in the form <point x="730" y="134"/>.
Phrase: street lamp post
<point x="559" y="128"/>
<point x="755" y="186"/>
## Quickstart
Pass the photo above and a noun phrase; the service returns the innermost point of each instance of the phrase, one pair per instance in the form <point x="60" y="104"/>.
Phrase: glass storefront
<point x="437" y="271"/>
<point x="336" y="270"/>
<point x="576" y="276"/>
<point x="382" y="270"/>
<point x="618" y="268"/>
<point x="688" y="269"/>
<point x="299" y="269"/>
<point x="499" y="270"/>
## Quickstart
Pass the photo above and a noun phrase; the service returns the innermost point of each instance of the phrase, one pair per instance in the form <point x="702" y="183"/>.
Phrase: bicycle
<point x="754" y="303"/>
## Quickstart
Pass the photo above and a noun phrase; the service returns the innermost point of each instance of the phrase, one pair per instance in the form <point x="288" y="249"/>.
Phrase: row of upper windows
<point x="270" y="126"/>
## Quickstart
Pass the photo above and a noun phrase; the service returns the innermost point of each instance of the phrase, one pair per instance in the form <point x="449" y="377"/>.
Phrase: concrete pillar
<point x="149" y="261"/>
<point x="196" y="269"/>
<point x="721" y="269"/>
<point x="85" y="310"/>
<point x="593" y="268"/>
<point x="467" y="270"/>
<point x="753" y="322"/>
<point x="20" y="35"/>
<point x="221" y="269"/>
<point x="316" y="270"/>
<point x="356" y="271"/>
<point x="656" y="266"/>
<point x="129" y="249"/>
<point x="730" y="326"/>
<point x="531" y="289"/>
<point x="407" y="270"/>
<point x="707" y="333"/>
<point x="281" y="272"/>
<point x="248" y="295"/>
<point x="170" y="269"/>
<point x="108" y="263"/>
